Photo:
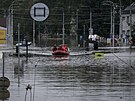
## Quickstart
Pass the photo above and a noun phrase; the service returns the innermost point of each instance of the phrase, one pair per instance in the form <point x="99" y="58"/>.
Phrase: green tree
<point x="53" y="24"/>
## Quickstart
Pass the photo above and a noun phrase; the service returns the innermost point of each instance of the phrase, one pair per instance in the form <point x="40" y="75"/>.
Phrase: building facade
<point x="127" y="14"/>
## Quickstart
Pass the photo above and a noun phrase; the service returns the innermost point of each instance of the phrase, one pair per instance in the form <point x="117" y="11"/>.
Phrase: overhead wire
<point x="124" y="61"/>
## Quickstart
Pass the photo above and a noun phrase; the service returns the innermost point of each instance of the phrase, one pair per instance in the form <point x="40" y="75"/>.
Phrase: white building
<point x="126" y="21"/>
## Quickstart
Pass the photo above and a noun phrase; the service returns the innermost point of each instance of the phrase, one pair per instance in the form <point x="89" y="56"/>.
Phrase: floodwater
<point x="73" y="78"/>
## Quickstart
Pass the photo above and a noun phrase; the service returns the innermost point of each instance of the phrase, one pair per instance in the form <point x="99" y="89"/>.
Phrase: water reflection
<point x="76" y="78"/>
<point x="18" y="70"/>
<point x="4" y="95"/>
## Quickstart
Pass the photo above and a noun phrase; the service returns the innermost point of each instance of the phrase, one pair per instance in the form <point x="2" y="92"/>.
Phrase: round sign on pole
<point x="39" y="12"/>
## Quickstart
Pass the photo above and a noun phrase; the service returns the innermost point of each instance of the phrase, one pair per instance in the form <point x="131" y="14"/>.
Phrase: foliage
<point x="53" y="25"/>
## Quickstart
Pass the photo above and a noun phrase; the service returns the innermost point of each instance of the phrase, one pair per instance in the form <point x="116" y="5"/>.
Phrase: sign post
<point x="4" y="81"/>
<point x="38" y="12"/>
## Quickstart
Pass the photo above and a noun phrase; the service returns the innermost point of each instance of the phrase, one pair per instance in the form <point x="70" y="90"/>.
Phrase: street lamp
<point x="112" y="29"/>
<point x="63" y="24"/>
<point x="90" y="19"/>
<point x="86" y="42"/>
<point x="90" y="29"/>
<point x="77" y="27"/>
<point x="120" y="24"/>
<point x="10" y="22"/>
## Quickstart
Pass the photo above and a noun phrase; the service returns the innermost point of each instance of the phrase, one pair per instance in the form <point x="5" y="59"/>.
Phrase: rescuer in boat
<point x="65" y="48"/>
<point x="61" y="47"/>
<point x="54" y="48"/>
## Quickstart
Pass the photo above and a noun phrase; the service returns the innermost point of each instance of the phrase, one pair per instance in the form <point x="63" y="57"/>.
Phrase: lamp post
<point x="112" y="29"/>
<point x="86" y="41"/>
<point x="63" y="22"/>
<point x="9" y="22"/>
<point x="90" y="29"/>
<point x="63" y="26"/>
<point x="120" y="24"/>
<point x="77" y="27"/>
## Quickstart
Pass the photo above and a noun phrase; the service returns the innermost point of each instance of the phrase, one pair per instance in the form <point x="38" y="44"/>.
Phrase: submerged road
<point x="75" y="78"/>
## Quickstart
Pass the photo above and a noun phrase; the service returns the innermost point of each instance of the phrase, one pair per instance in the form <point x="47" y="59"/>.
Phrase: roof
<point x="127" y="9"/>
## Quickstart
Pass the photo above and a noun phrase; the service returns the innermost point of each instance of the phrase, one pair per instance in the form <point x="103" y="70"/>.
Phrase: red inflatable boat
<point x="60" y="51"/>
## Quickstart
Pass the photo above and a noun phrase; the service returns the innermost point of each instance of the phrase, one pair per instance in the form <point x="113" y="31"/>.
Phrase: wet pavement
<point x="73" y="78"/>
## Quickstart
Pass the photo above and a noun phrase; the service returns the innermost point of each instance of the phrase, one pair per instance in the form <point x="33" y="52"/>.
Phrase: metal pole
<point x="26" y="51"/>
<point x="18" y="54"/>
<point x="77" y="19"/>
<point x="12" y="21"/>
<point x="130" y="39"/>
<point x="130" y="21"/>
<point x="90" y="19"/>
<point x="39" y="35"/>
<point x="63" y="29"/>
<point x="112" y="19"/>
<point x="111" y="32"/>
<point x="113" y="24"/>
<point x="3" y="63"/>
<point x="90" y="31"/>
<point x="120" y="24"/>
<point x="11" y="32"/>
<point x="120" y="34"/>
<point x="9" y="41"/>
<point x="8" y="26"/>
<point x="34" y="33"/>
<point x="83" y="35"/>
<point x="77" y="28"/>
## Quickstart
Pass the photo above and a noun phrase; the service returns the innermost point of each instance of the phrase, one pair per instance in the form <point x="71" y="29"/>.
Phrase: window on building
<point x="123" y="31"/>
<point x="128" y="19"/>
<point x="128" y="32"/>
<point x="123" y="18"/>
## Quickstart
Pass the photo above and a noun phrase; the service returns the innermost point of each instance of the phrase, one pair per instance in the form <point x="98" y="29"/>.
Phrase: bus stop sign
<point x="39" y="11"/>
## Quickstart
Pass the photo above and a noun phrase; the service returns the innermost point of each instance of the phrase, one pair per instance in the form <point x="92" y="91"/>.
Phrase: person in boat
<point x="59" y="48"/>
<point x="54" y="48"/>
<point x="63" y="48"/>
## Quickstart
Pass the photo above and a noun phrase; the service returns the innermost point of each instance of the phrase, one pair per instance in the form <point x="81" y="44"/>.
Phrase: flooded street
<point x="67" y="50"/>
<point x="73" y="78"/>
